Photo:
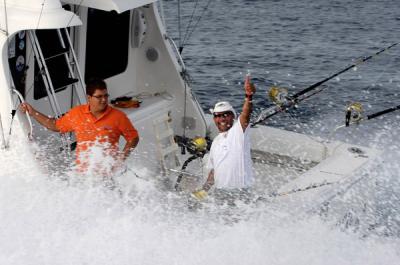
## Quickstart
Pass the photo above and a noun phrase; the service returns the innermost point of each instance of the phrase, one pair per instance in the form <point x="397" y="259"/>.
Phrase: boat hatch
<point x="109" y="5"/>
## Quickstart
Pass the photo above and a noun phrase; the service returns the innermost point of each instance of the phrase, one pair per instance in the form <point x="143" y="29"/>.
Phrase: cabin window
<point x="107" y="43"/>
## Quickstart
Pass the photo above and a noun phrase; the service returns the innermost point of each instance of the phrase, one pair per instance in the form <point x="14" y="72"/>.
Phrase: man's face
<point x="99" y="100"/>
<point x="223" y="120"/>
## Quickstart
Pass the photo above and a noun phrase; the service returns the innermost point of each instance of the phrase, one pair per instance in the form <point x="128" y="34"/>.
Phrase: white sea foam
<point x="52" y="220"/>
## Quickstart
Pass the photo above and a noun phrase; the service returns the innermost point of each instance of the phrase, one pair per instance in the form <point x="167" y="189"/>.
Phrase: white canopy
<point x="108" y="5"/>
<point x="35" y="14"/>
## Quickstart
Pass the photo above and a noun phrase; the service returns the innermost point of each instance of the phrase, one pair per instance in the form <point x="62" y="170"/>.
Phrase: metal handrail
<point x="30" y="135"/>
<point x="177" y="52"/>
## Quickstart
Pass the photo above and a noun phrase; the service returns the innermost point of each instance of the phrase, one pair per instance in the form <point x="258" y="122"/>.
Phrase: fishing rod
<point x="355" y="110"/>
<point x="283" y="102"/>
<point x="354" y="115"/>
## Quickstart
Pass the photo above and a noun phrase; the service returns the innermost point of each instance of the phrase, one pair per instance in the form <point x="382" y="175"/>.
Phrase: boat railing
<point x="177" y="53"/>
<point x="28" y="117"/>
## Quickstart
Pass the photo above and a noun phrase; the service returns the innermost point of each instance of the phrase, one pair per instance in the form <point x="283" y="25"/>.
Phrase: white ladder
<point x="166" y="146"/>
<point x="69" y="55"/>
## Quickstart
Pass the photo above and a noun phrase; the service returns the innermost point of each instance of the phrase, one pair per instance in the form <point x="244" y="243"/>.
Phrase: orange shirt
<point x="88" y="129"/>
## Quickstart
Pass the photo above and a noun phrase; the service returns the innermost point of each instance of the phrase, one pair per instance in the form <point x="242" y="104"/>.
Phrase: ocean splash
<point x="48" y="219"/>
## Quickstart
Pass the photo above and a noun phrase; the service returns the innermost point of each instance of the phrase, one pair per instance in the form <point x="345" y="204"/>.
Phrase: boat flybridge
<point x="51" y="47"/>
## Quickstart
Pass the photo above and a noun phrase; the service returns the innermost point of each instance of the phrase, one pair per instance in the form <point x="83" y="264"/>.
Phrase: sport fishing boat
<point x="51" y="47"/>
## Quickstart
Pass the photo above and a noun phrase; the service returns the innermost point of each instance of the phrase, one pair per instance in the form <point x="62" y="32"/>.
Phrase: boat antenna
<point x="283" y="102"/>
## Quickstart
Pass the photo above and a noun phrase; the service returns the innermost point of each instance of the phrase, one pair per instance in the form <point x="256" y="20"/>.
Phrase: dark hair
<point x="93" y="84"/>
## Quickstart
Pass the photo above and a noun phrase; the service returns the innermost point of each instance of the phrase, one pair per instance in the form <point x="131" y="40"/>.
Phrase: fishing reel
<point x="278" y="95"/>
<point x="354" y="113"/>
<point x="197" y="146"/>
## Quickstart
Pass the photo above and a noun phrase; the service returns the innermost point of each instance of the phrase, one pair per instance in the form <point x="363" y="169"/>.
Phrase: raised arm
<point x="48" y="122"/>
<point x="250" y="89"/>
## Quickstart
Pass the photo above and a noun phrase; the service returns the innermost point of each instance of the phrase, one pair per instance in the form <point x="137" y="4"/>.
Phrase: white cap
<point x="223" y="106"/>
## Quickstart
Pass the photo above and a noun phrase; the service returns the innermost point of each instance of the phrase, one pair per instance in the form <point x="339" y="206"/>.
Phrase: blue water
<point x="294" y="44"/>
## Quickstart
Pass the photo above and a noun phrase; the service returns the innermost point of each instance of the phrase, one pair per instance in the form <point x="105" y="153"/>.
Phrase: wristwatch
<point x="249" y="97"/>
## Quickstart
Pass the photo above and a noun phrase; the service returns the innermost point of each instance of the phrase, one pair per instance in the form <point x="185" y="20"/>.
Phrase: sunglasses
<point x="223" y="114"/>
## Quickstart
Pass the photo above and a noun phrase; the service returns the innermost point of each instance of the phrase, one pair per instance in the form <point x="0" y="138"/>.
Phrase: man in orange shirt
<point x="95" y="123"/>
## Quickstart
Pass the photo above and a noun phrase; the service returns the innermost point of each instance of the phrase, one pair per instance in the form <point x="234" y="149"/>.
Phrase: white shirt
<point x="230" y="158"/>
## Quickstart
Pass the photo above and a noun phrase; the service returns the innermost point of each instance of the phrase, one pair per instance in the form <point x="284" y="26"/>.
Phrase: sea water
<point x="47" y="219"/>
<point x="53" y="220"/>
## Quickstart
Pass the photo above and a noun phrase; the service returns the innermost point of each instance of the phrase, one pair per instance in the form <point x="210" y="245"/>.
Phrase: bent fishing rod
<point x="283" y="102"/>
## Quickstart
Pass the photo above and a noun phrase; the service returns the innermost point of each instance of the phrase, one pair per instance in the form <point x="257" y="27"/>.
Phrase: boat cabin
<point x="51" y="48"/>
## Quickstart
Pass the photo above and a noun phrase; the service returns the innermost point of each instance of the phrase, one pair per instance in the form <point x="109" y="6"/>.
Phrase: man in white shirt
<point x="230" y="161"/>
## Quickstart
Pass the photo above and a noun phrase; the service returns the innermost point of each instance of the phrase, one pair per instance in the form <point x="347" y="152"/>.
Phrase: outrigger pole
<point x="290" y="101"/>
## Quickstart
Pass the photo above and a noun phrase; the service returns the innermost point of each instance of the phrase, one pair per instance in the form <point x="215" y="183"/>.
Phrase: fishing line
<point x="369" y="88"/>
<point x="197" y="22"/>
<point x="179" y="26"/>
<point x="387" y="65"/>
<point x="356" y="63"/>
<point x="37" y="26"/>
<point x="30" y="55"/>
<point x="73" y="14"/>
<point x="40" y="16"/>
<point x="190" y="21"/>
